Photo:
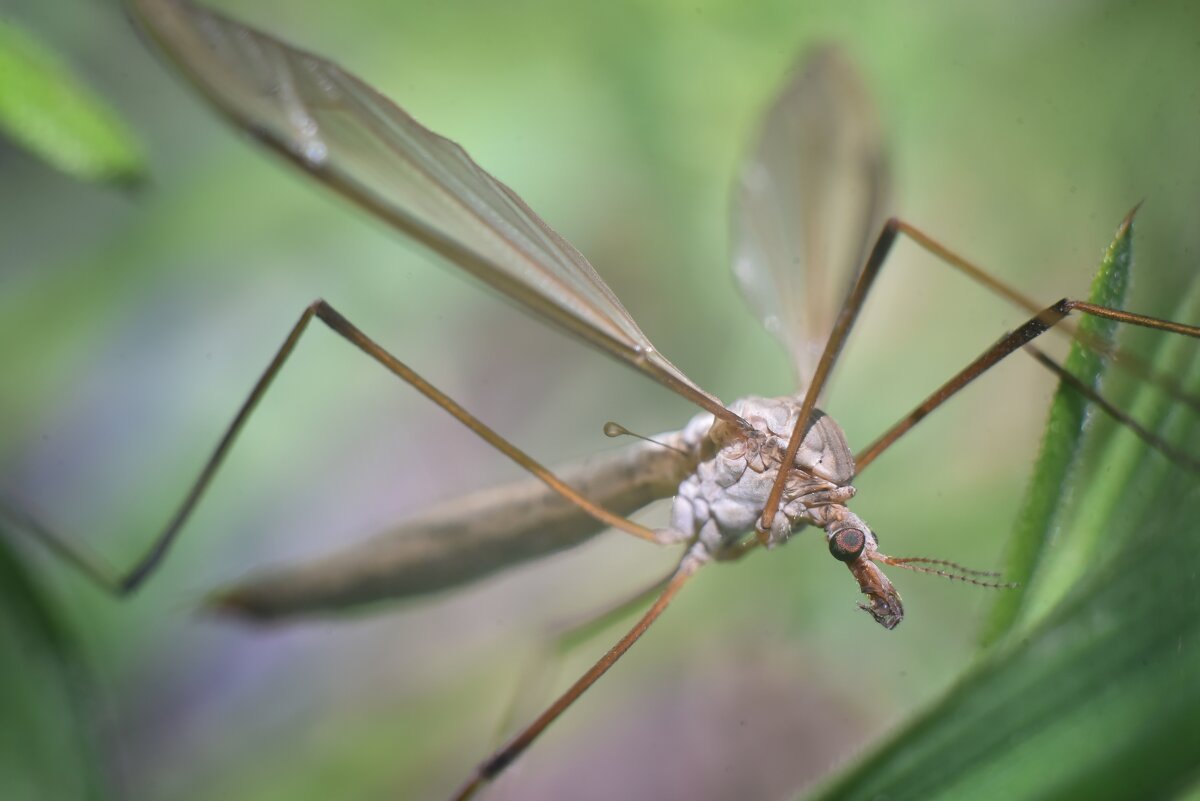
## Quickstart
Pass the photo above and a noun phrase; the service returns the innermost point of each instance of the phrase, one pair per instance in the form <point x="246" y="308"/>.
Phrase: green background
<point x="133" y="323"/>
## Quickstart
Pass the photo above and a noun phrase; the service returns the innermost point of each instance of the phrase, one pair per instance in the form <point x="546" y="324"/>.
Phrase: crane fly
<point x="812" y="236"/>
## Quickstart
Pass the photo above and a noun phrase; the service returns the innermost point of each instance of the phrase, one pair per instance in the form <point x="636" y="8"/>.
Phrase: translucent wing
<point x="349" y="136"/>
<point x="809" y="201"/>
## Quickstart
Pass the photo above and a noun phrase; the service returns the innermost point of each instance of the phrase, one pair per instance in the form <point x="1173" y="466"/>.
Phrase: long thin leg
<point x="565" y="635"/>
<point x="1032" y="329"/>
<point x="1121" y="357"/>
<point x="1180" y="458"/>
<point x="491" y="767"/>
<point x="892" y="229"/>
<point x="121" y="585"/>
<point x="833" y="348"/>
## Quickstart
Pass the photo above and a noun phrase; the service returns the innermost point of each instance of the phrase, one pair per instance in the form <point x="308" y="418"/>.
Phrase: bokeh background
<point x="133" y="323"/>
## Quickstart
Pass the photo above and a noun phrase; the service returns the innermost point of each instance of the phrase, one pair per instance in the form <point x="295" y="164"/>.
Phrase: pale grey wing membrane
<point x="345" y="133"/>
<point x="809" y="201"/>
<point x="466" y="538"/>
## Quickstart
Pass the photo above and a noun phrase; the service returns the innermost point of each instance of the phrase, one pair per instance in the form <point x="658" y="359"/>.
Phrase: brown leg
<point x="565" y="635"/>
<point x="123" y="584"/>
<point x="1124" y="359"/>
<point x="849" y="314"/>
<point x="1032" y="329"/>
<point x="845" y="322"/>
<point x="1180" y="458"/>
<point x="833" y="348"/>
<point x="495" y="764"/>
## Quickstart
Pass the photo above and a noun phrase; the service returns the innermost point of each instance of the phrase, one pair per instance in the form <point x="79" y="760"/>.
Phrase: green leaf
<point x="47" y="734"/>
<point x="1090" y="691"/>
<point x="1038" y="522"/>
<point x="44" y="108"/>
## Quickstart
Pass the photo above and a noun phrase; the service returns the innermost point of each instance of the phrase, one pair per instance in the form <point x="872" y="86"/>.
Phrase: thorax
<point x="723" y="500"/>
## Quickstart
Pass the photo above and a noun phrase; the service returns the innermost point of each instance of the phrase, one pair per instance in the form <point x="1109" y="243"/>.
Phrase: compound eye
<point x="847" y="544"/>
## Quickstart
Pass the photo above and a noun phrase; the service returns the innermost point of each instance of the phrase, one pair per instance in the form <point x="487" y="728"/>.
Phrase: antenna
<point x="613" y="430"/>
<point x="953" y="570"/>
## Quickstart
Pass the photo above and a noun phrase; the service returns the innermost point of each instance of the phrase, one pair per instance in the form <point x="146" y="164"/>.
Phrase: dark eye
<point x="847" y="544"/>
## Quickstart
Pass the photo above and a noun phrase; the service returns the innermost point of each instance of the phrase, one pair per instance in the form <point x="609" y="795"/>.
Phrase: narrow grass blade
<point x="1070" y="413"/>
<point x="1090" y="690"/>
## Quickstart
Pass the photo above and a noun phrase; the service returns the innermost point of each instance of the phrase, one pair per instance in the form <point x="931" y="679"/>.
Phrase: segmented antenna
<point x="954" y="571"/>
<point x="613" y="430"/>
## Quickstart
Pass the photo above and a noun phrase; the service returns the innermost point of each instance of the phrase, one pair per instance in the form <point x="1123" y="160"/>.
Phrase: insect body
<point x="725" y="496"/>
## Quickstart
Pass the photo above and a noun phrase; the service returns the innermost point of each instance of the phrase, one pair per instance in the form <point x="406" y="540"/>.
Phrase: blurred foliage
<point x="48" y="743"/>
<point x="131" y="328"/>
<point x="45" y="108"/>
